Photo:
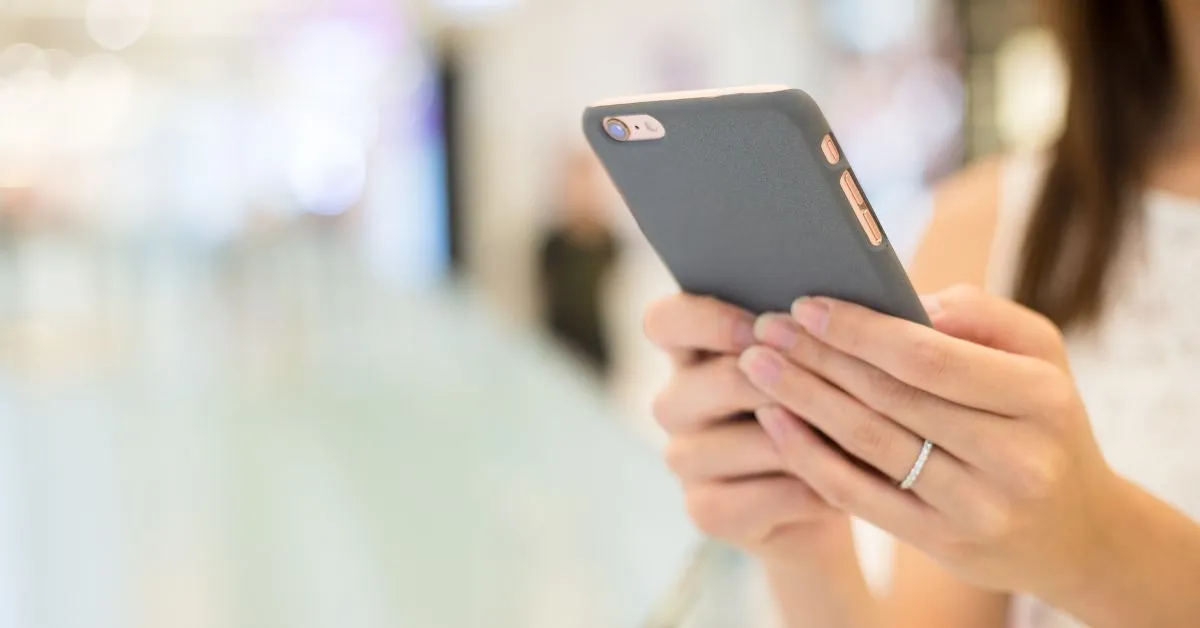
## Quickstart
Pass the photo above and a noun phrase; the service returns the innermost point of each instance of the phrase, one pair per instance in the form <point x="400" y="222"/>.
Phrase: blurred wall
<point x="533" y="69"/>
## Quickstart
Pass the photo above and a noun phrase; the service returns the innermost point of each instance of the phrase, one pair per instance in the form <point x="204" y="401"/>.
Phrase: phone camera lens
<point x="616" y="129"/>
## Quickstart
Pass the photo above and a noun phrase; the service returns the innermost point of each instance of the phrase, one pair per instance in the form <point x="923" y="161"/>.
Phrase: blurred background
<point x="317" y="313"/>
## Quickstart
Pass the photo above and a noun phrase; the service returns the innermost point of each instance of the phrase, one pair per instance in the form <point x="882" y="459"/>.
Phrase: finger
<point x="686" y="324"/>
<point x="967" y="433"/>
<point x="860" y="431"/>
<point x="706" y="393"/>
<point x="957" y="370"/>
<point x="751" y="509"/>
<point x="684" y="357"/>
<point x="969" y="313"/>
<point x="730" y="451"/>
<point x="846" y="487"/>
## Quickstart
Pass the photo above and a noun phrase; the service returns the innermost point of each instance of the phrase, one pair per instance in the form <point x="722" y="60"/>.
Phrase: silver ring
<point x="918" y="466"/>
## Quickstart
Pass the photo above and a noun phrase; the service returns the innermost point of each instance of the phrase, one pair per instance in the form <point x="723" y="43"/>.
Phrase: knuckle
<point x="871" y="439"/>
<point x="964" y="290"/>
<point x="725" y="319"/>
<point x="812" y="354"/>
<point x="961" y="294"/>
<point x="663" y="409"/>
<point x="801" y="390"/>
<point x="1051" y="337"/>
<point x="1039" y="471"/>
<point x="957" y="550"/>
<point x="728" y="376"/>
<point x="677" y="456"/>
<point x="715" y="386"/>
<point x="1063" y="398"/>
<point x="994" y="521"/>
<point x="1058" y="397"/>
<point x="840" y="495"/>
<point x="1050" y="331"/>
<point x="929" y="359"/>
<point x="1001" y="448"/>
<point x="801" y="394"/>
<point x="892" y="393"/>
<point x="654" y="321"/>
<point x="975" y="437"/>
<point x="850" y="335"/>
<point x="708" y="511"/>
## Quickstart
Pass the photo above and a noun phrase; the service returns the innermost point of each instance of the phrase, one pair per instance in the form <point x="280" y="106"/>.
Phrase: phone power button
<point x="830" y="149"/>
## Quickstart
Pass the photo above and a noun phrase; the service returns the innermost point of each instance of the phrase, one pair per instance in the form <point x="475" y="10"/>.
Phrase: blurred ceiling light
<point x="326" y="165"/>
<point x="26" y="119"/>
<point x="96" y="97"/>
<point x="343" y="69"/>
<point x="1031" y="90"/>
<point x="475" y="7"/>
<point x="333" y="58"/>
<point x="117" y="24"/>
<point x="31" y="89"/>
<point x="59" y="62"/>
<point x="21" y="56"/>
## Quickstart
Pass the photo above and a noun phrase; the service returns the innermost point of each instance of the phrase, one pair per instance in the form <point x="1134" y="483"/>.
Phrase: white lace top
<point x="1139" y="370"/>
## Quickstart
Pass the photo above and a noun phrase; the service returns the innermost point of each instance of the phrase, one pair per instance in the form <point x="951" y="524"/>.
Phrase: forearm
<point x="1146" y="570"/>
<point x="824" y="587"/>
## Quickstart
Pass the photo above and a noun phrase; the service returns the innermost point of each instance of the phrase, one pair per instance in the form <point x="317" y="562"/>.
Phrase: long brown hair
<point x="1124" y="84"/>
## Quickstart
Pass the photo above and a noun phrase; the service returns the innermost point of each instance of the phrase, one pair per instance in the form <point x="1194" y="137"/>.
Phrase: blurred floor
<point x="222" y="438"/>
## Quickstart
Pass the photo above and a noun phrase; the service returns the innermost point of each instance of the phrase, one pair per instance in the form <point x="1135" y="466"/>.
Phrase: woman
<point x="1025" y="492"/>
<point x="577" y="255"/>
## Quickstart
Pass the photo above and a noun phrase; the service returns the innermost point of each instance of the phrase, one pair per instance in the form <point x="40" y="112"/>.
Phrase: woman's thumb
<point x="968" y="313"/>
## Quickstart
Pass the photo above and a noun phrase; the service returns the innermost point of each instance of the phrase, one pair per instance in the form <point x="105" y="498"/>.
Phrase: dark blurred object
<point x="985" y="26"/>
<point x="577" y="253"/>
<point x="450" y="80"/>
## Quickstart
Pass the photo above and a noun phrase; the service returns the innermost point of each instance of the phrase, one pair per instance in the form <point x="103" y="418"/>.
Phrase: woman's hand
<point x="1016" y="494"/>
<point x="737" y="484"/>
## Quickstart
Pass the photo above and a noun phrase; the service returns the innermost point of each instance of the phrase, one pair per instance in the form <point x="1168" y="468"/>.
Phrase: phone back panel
<point x="740" y="203"/>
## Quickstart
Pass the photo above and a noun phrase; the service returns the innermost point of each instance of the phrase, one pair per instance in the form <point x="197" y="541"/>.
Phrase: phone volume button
<point x="870" y="226"/>
<point x="853" y="194"/>
<point x="858" y="195"/>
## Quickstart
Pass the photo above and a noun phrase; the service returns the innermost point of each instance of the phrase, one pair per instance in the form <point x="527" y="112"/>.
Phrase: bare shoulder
<point x="957" y="242"/>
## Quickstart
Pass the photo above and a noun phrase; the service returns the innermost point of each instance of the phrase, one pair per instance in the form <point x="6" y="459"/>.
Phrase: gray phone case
<point x="740" y="203"/>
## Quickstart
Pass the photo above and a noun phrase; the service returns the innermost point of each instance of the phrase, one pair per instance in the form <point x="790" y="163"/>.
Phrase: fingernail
<point x="776" y="422"/>
<point x="776" y="331"/>
<point x="812" y="314"/>
<point x="933" y="305"/>
<point x="743" y="332"/>
<point x="761" y="366"/>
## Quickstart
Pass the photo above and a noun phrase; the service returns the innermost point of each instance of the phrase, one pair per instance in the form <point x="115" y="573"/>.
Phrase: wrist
<point x="1105" y="554"/>
<point x="1142" y="564"/>
<point x="809" y="546"/>
<point x="817" y="581"/>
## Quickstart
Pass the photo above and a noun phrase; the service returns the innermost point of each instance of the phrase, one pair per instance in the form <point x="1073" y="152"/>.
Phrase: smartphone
<point x="746" y="196"/>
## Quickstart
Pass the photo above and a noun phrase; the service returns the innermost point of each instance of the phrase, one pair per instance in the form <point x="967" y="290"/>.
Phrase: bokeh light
<point x="21" y="56"/>
<point x="1032" y="90"/>
<point x="118" y="24"/>
<point x="97" y="97"/>
<point x="326" y="163"/>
